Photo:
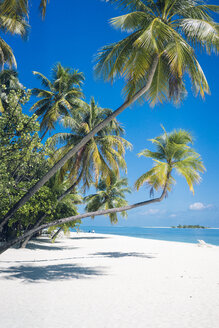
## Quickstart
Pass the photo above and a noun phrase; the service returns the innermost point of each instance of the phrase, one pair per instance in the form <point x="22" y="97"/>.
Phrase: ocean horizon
<point x="185" y="235"/>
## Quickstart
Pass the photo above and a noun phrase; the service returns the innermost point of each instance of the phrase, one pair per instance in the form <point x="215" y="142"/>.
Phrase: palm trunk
<point x="24" y="244"/>
<point x="82" y="143"/>
<point x="56" y="234"/>
<point x="4" y="247"/>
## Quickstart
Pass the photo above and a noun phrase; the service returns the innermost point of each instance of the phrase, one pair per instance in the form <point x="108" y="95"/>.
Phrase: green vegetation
<point x="59" y="96"/>
<point x="42" y="184"/>
<point x="109" y="196"/>
<point x="190" y="226"/>
<point x="154" y="59"/>
<point x="23" y="162"/>
<point x="14" y="20"/>
<point x="172" y="153"/>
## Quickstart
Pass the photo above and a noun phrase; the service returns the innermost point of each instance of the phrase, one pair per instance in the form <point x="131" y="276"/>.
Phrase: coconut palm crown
<point x="109" y="196"/>
<point x="59" y="95"/>
<point x="166" y="33"/>
<point x="13" y="20"/>
<point x="101" y="156"/>
<point x="172" y="153"/>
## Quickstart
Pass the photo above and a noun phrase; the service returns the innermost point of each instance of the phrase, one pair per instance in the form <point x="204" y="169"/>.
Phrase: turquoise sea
<point x="210" y="236"/>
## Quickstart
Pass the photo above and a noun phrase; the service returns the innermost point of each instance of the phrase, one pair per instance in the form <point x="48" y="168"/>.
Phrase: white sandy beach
<point x="93" y="280"/>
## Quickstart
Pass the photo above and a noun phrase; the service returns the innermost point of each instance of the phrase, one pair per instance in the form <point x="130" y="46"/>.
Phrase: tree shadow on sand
<point x="49" y="246"/>
<point x="123" y="254"/>
<point x="46" y="244"/>
<point x="29" y="273"/>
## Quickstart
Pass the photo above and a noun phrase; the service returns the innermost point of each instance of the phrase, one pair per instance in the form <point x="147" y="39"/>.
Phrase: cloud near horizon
<point x="199" y="206"/>
<point x="153" y="211"/>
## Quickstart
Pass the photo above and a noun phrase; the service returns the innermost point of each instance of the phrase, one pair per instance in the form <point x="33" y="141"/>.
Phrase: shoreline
<point x="137" y="238"/>
<point x="96" y="280"/>
<point x="188" y="235"/>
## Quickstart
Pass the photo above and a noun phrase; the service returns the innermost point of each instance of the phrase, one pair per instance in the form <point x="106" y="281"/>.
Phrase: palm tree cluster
<point x="173" y="151"/>
<point x="102" y="156"/>
<point x="154" y="58"/>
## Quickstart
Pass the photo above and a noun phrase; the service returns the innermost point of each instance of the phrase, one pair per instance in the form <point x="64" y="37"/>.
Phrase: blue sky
<point x="72" y="33"/>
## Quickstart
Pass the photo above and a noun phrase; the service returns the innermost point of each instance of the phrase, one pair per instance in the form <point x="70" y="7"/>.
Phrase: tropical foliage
<point x="38" y="181"/>
<point x="14" y="20"/>
<point x="109" y="196"/>
<point x="167" y="31"/>
<point x="154" y="60"/>
<point x="23" y="162"/>
<point x="15" y="7"/>
<point x="102" y="156"/>
<point x="59" y="95"/>
<point x="172" y="153"/>
<point x="11" y="21"/>
<point x="9" y="82"/>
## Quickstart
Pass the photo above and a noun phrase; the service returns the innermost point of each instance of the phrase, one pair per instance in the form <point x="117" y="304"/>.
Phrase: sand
<point x="93" y="280"/>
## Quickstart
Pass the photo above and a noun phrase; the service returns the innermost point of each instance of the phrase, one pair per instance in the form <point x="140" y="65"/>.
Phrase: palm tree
<point x="109" y="196"/>
<point x="12" y="20"/>
<point x="172" y="153"/>
<point x="58" y="96"/>
<point x="154" y="58"/>
<point x="70" y="201"/>
<point x="162" y="34"/>
<point x="102" y="155"/>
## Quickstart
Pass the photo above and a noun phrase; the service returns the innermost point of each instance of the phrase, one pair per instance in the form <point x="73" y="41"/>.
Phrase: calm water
<point x="210" y="236"/>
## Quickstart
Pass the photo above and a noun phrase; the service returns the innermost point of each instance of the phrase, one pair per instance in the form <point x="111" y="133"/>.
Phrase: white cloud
<point x="172" y="215"/>
<point x="198" y="206"/>
<point x="153" y="211"/>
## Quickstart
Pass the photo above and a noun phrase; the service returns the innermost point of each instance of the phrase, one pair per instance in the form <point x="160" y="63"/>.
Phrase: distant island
<point x="190" y="226"/>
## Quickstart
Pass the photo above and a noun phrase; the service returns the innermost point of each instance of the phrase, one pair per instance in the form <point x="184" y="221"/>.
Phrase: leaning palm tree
<point x="173" y="152"/>
<point x="69" y="202"/>
<point x="109" y="196"/>
<point x="58" y="96"/>
<point x="159" y="50"/>
<point x="154" y="59"/>
<point x="100" y="157"/>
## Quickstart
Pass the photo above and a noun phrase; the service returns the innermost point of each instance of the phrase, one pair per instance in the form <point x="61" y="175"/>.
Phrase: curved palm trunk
<point x="24" y="244"/>
<point x="83" y="142"/>
<point x="85" y="215"/>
